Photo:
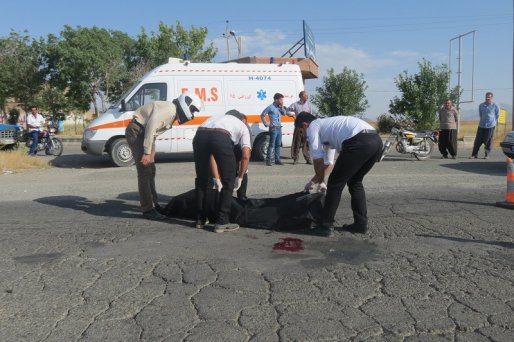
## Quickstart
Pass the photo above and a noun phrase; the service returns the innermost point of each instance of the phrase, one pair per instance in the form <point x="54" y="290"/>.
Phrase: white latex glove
<point x="217" y="184"/>
<point x="322" y="187"/>
<point x="237" y="183"/>
<point x="309" y="186"/>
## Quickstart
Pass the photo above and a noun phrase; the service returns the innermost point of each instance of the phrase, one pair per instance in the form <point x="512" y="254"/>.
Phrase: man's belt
<point x="134" y="121"/>
<point x="369" y="131"/>
<point x="214" y="129"/>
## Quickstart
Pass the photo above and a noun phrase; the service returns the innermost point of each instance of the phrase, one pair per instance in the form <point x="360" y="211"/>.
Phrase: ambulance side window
<point x="148" y="93"/>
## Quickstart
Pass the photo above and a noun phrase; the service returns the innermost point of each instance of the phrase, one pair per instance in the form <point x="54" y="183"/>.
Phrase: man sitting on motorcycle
<point x="35" y="124"/>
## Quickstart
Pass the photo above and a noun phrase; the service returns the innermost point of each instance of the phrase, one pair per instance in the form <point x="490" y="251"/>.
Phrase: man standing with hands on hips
<point x="359" y="147"/>
<point x="148" y="122"/>
<point x="274" y="111"/>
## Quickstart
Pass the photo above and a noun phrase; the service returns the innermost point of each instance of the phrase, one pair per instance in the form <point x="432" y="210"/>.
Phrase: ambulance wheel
<point x="120" y="153"/>
<point x="260" y="147"/>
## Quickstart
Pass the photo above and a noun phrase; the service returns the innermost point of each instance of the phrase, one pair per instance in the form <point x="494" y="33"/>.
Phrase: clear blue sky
<point x="377" y="38"/>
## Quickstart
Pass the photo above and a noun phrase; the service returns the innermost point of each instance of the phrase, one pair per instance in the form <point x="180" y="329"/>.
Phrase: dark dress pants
<point x="484" y="136"/>
<point x="219" y="145"/>
<point x="300" y="142"/>
<point x="448" y="142"/>
<point x="358" y="155"/>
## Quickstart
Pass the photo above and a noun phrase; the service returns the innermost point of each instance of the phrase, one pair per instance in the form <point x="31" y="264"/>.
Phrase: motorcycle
<point x="47" y="141"/>
<point x="419" y="144"/>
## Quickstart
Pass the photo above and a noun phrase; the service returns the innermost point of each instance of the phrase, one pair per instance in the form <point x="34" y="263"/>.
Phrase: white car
<point x="507" y="145"/>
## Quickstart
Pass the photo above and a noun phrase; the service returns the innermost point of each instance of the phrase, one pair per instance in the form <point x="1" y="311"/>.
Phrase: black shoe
<point x="473" y="157"/>
<point x="200" y="224"/>
<point x="153" y="215"/>
<point x="278" y="162"/>
<point x="444" y="157"/>
<point x="322" y="230"/>
<point x="160" y="210"/>
<point x="295" y="162"/>
<point x="268" y="163"/>
<point x="354" y="228"/>
<point x="454" y="157"/>
<point x="308" y="162"/>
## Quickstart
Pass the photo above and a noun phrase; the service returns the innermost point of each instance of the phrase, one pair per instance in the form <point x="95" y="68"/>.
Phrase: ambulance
<point x="249" y="88"/>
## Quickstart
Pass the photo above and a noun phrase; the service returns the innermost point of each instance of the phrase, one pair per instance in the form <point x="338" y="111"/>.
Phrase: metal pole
<point x="458" y="83"/>
<point x="226" y="39"/>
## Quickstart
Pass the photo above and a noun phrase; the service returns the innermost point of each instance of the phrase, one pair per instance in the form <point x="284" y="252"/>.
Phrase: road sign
<point x="502" y="119"/>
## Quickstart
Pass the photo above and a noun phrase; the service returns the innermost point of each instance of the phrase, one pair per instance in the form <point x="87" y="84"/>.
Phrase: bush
<point x="385" y="123"/>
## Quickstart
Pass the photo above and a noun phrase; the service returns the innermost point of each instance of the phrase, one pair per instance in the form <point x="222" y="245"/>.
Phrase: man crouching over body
<point x="217" y="137"/>
<point x="359" y="147"/>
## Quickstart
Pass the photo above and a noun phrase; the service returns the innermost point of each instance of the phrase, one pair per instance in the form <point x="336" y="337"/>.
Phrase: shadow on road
<point x="504" y="244"/>
<point x="463" y="202"/>
<point x="484" y="167"/>
<point x="85" y="161"/>
<point x="109" y="208"/>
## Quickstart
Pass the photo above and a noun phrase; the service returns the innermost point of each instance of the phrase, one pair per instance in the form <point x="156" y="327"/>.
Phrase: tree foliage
<point x="20" y="74"/>
<point x="341" y="94"/>
<point x="83" y="67"/>
<point x="422" y="94"/>
<point x="155" y="49"/>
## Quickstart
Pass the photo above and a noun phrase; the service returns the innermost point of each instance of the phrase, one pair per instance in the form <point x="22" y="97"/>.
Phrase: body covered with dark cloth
<point x="291" y="212"/>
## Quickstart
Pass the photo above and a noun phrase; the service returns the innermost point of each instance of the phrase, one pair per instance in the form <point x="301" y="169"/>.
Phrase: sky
<point x="379" y="39"/>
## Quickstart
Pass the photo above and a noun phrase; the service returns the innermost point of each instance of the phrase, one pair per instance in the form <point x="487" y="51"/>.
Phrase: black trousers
<point x="448" y="142"/>
<point x="218" y="144"/>
<point x="357" y="157"/>
<point x="484" y="136"/>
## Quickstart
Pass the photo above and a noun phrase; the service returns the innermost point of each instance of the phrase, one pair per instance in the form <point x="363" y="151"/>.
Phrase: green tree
<point x="156" y="49"/>
<point x="341" y="94"/>
<point x="20" y="74"/>
<point x="88" y="63"/>
<point x="422" y="94"/>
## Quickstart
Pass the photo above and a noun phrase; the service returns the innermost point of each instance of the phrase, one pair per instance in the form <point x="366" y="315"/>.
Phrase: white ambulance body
<point x="249" y="88"/>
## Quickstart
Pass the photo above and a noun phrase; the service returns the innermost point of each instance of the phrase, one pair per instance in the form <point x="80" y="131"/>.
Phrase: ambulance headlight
<point x="89" y="134"/>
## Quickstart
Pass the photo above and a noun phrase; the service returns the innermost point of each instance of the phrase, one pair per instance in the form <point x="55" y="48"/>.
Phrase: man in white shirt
<point x="217" y="136"/>
<point x="359" y="147"/>
<point x="35" y="124"/>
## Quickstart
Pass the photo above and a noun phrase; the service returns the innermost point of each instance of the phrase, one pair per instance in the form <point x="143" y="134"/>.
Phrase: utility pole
<point x="226" y="35"/>
<point x="459" y="71"/>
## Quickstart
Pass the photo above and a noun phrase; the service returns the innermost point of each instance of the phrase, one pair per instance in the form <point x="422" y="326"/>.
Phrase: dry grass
<point x="16" y="161"/>
<point x="469" y="129"/>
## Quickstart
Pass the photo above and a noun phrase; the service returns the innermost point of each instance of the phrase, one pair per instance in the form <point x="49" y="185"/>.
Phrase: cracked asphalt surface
<point x="78" y="263"/>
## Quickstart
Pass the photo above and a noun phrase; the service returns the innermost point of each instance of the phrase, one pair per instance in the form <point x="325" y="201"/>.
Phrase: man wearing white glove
<point x="217" y="137"/>
<point x="359" y="147"/>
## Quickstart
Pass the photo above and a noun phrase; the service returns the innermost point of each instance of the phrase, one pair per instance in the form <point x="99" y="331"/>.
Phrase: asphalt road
<point x="78" y="263"/>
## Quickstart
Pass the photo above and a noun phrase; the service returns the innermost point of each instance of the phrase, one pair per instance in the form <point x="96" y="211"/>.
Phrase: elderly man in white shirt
<point x="359" y="147"/>
<point x="217" y="136"/>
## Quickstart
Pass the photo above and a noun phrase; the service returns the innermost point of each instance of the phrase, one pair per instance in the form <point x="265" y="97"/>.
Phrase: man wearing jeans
<point x="274" y="112"/>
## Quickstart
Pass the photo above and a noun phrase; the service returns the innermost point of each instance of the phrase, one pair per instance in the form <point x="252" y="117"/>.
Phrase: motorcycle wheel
<point x="56" y="149"/>
<point x="425" y="149"/>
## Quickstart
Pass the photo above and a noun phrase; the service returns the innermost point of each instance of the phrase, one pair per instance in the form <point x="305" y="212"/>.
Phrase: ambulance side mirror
<point x="123" y="105"/>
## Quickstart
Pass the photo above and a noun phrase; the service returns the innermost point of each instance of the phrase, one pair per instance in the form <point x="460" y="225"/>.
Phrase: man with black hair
<point x="359" y="147"/>
<point x="217" y="137"/>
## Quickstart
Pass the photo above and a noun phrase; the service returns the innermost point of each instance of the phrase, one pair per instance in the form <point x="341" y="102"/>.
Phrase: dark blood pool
<point x="289" y="244"/>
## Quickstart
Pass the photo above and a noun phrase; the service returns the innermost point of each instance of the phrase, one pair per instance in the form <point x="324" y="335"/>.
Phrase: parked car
<point x="507" y="145"/>
<point x="9" y="135"/>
